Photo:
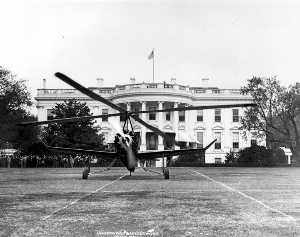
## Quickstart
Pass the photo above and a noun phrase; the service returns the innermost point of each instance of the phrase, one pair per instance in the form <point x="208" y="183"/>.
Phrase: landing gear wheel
<point x="166" y="173"/>
<point x="85" y="172"/>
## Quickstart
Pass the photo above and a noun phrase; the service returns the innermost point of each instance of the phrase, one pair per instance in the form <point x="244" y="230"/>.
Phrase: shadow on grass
<point x="127" y="177"/>
<point x="143" y="177"/>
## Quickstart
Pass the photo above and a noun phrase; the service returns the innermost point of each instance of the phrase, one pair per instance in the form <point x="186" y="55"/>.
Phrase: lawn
<point x="194" y="202"/>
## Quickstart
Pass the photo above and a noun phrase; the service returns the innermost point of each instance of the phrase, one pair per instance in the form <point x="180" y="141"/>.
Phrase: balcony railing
<point x="144" y="87"/>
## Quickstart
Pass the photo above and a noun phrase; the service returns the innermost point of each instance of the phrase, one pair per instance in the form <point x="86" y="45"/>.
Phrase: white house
<point x="203" y="125"/>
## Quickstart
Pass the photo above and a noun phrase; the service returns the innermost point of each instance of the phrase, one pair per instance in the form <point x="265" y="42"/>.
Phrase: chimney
<point x="204" y="82"/>
<point x="100" y="82"/>
<point x="132" y="80"/>
<point x="173" y="80"/>
<point x="44" y="83"/>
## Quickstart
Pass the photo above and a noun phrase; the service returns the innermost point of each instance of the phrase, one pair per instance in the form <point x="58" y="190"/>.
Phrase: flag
<point x="151" y="55"/>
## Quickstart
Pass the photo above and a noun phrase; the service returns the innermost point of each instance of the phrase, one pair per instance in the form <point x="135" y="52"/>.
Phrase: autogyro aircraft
<point x="126" y="143"/>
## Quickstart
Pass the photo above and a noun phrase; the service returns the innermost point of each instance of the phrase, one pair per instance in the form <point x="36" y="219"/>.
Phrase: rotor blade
<point x="97" y="97"/>
<point x="152" y="128"/>
<point x="87" y="92"/>
<point x="161" y="133"/>
<point x="67" y="120"/>
<point x="201" y="107"/>
<point x="205" y="148"/>
<point x="104" y="154"/>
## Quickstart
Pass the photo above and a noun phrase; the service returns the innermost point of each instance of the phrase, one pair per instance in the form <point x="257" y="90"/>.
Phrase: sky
<point x="226" y="41"/>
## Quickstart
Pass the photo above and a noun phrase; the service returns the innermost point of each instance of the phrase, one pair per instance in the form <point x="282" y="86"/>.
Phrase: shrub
<point x="231" y="158"/>
<point x="261" y="156"/>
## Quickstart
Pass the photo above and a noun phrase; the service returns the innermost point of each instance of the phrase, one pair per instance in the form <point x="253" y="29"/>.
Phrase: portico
<point x="165" y="121"/>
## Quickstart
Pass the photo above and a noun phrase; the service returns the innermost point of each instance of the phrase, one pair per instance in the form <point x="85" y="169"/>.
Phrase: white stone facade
<point x="203" y="126"/>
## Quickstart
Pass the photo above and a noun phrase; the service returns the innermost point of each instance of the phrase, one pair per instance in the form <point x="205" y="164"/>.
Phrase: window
<point x="218" y="160"/>
<point x="152" y="141"/>
<point x="253" y="142"/>
<point x="50" y="114"/>
<point x="168" y="116"/>
<point x="166" y="85"/>
<point x="104" y="112"/>
<point x="235" y="115"/>
<point x="152" y="86"/>
<point x="200" y="116"/>
<point x="235" y="140"/>
<point x="152" y="115"/>
<point x="181" y="115"/>
<point x="199" y="139"/>
<point x="218" y="142"/>
<point x="137" y="138"/>
<point x="200" y="91"/>
<point x="217" y="115"/>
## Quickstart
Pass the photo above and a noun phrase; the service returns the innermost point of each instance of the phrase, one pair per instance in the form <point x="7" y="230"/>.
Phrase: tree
<point x="15" y="101"/>
<point x="80" y="134"/>
<point x="276" y="115"/>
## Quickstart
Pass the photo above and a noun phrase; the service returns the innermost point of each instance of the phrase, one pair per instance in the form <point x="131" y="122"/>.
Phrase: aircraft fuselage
<point x="126" y="148"/>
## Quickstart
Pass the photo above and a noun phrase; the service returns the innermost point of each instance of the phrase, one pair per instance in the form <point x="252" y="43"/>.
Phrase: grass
<point x="194" y="202"/>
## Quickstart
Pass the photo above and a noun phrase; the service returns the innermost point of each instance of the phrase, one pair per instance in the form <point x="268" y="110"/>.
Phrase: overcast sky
<point x="226" y="41"/>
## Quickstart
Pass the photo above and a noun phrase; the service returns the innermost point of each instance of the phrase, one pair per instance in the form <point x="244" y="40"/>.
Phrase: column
<point x="128" y="106"/>
<point x="226" y="121"/>
<point x="111" y="123"/>
<point x="41" y="113"/>
<point x="160" y="122"/>
<point x="143" y="128"/>
<point x="187" y="125"/>
<point x="159" y="163"/>
<point x="175" y="119"/>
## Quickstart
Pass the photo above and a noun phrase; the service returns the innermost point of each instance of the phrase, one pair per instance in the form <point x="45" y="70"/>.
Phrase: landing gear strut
<point x="86" y="170"/>
<point x="166" y="173"/>
<point x="165" y="168"/>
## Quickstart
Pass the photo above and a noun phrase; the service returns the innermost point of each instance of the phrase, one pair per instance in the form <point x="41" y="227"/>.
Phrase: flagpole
<point x="153" y="66"/>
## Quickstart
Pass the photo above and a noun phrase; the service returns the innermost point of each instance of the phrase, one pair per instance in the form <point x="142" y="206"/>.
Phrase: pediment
<point x="181" y="127"/>
<point x="199" y="128"/>
<point x="168" y="127"/>
<point x="154" y="125"/>
<point x="217" y="128"/>
<point x="235" y="128"/>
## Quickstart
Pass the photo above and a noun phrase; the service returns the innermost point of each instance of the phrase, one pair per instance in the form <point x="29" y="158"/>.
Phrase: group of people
<point x="46" y="161"/>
